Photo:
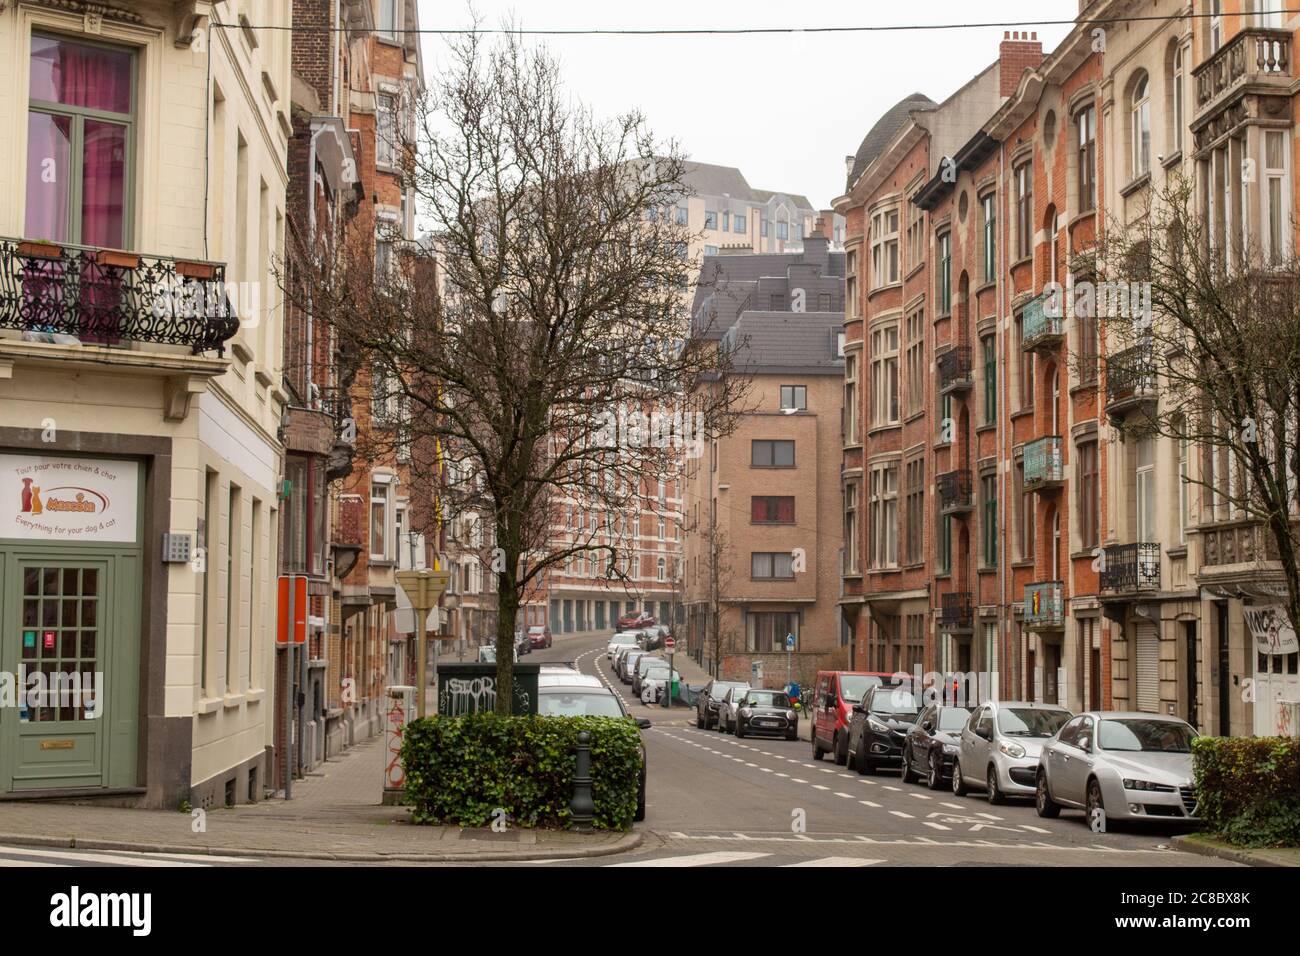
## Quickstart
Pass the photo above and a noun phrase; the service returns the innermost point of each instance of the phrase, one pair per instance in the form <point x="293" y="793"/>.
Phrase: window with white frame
<point x="989" y="205"/>
<point x="915" y="235"/>
<point x="884" y="248"/>
<point x="1268" y="14"/>
<point x="1216" y="25"/>
<point x="1140" y="125"/>
<point x="1277" y="198"/>
<point x="1024" y="210"/>
<point x="381" y="508"/>
<point x="385" y="128"/>
<point x="851" y="399"/>
<point x="851" y="527"/>
<point x="884" y="375"/>
<point x="851" y="283"/>
<point x="662" y="569"/>
<point x="1178" y="81"/>
<point x="943" y="274"/>
<point x="883" y="515"/>
<point x="915" y="361"/>
<point x="794" y="398"/>
<point x="1085" y="124"/>
<point x="389" y="16"/>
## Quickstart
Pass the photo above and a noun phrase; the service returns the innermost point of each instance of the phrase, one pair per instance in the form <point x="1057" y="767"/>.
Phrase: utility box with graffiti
<point x="472" y="689"/>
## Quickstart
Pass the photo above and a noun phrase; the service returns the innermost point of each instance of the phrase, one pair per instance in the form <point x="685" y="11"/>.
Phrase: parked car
<point x="1000" y="745"/>
<point x="643" y="665"/>
<point x="881" y="722"/>
<point x="706" y="705"/>
<point x="579" y="700"/>
<point x="836" y="693"/>
<point x="651" y="638"/>
<point x="932" y="743"/>
<point x="634" y="620"/>
<point x="766" y="712"/>
<point x="1123" y="766"/>
<point x="522" y="644"/>
<point x="620" y="639"/>
<point x="566" y="677"/>
<point x="654" y="683"/>
<point x="620" y="660"/>
<point x="539" y="636"/>
<point x="728" y="705"/>
<point x="627" y="663"/>
<point x="487" y="654"/>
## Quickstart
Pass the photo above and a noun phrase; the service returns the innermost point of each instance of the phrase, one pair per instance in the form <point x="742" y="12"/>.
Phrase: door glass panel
<point x="49" y="173"/>
<point x="65" y="643"/>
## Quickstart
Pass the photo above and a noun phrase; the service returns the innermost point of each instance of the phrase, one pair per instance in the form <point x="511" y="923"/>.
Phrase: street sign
<point x="298" y="602"/>
<point x="789" y="642"/>
<point x="669" y="643"/>
<point x="756" y="673"/>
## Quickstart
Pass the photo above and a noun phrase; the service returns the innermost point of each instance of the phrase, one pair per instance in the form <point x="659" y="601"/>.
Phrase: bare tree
<point x="1206" y="324"/>
<point x="545" y="380"/>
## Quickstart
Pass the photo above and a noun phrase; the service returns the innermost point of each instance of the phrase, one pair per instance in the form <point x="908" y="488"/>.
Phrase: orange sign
<point x="299" y="582"/>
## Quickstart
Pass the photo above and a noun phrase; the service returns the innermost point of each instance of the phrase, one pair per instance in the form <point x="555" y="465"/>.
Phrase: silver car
<point x="729" y="705"/>
<point x="1119" y="766"/>
<point x="999" y="748"/>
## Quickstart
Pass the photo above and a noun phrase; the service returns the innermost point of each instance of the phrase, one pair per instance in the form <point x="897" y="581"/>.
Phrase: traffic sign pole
<point x="670" y="646"/>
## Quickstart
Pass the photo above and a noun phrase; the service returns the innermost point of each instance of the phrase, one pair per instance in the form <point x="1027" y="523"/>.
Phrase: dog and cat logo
<point x="67" y="499"/>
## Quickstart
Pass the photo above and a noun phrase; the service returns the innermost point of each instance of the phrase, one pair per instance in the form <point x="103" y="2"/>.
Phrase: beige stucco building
<point x="144" y="174"/>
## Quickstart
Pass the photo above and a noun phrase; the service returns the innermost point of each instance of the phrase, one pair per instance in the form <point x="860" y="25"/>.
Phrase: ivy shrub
<point x="1249" y="789"/>
<point x="460" y="770"/>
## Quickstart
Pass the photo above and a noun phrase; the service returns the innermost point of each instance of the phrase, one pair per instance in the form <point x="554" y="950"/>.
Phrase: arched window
<point x="1176" y="83"/>
<point x="1141" y="126"/>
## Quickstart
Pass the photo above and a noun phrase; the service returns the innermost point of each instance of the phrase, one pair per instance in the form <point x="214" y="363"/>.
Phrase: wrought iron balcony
<point x="1045" y="606"/>
<point x="60" y="293"/>
<point x="955" y="491"/>
<point x="955" y="369"/>
<point x="1130" y="382"/>
<point x="1130" y="568"/>
<point x="1043" y="463"/>
<point x="956" y="611"/>
<point x="1253" y="55"/>
<point x="1042" y="326"/>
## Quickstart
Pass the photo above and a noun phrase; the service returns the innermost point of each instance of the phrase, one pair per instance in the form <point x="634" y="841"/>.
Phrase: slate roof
<point x="874" y="143"/>
<point x="794" y="343"/>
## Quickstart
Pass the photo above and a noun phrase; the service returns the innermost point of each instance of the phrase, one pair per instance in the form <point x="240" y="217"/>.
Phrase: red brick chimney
<point x="1020" y="51"/>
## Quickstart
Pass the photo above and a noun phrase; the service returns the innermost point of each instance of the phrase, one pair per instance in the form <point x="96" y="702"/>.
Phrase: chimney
<point x="1020" y="51"/>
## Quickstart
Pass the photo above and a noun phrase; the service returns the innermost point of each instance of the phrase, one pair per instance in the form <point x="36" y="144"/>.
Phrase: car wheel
<point x="794" y="735"/>
<point x="934" y="778"/>
<point x="958" y="784"/>
<point x="909" y="775"/>
<point x="818" y="753"/>
<point x="862" y="763"/>
<point x="699" y="721"/>
<point x="1046" y="807"/>
<point x="740" y="727"/>
<point x="992" y="791"/>
<point x="841" y="749"/>
<point x="1095" y="803"/>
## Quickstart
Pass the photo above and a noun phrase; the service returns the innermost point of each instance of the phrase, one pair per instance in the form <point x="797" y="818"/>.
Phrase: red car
<point x="833" y="700"/>
<point x="539" y="635"/>
<point x="640" y="619"/>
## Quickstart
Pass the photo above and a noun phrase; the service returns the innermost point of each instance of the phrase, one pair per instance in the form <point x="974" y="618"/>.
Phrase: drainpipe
<point x="999" y="342"/>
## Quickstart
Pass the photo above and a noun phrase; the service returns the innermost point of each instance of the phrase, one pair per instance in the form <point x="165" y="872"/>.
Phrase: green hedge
<point x="460" y="769"/>
<point x="1249" y="789"/>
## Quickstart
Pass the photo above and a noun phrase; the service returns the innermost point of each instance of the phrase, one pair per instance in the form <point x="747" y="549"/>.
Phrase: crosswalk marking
<point x="697" y="859"/>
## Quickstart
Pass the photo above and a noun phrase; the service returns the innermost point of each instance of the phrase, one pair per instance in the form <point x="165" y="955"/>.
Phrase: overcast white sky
<point x="787" y="108"/>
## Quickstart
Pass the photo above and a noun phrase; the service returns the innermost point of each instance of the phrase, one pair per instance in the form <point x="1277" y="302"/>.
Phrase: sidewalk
<point x="1205" y="845"/>
<point x="334" y="815"/>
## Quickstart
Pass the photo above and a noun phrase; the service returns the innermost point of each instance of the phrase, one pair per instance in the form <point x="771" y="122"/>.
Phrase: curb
<point x="1200" y="848"/>
<point x="628" y="842"/>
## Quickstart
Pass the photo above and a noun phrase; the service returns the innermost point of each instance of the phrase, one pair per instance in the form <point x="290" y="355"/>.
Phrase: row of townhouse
<point x="997" y="519"/>
<point x="168" y="422"/>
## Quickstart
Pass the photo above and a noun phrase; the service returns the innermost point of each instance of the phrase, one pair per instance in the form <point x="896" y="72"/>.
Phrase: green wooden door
<point x="72" y="616"/>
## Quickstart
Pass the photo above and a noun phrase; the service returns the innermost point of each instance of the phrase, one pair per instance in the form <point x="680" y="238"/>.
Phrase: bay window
<point x="884" y="248"/>
<point x="884" y="375"/>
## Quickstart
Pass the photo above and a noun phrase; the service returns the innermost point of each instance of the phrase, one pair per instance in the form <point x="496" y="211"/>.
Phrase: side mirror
<point x="643" y="723"/>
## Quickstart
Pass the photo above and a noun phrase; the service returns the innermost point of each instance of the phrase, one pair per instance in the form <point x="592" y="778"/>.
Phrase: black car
<point x="767" y="712"/>
<point x="880" y="724"/>
<point x="932" y="743"/>
<point x="582" y="700"/>
<point x="706" y="705"/>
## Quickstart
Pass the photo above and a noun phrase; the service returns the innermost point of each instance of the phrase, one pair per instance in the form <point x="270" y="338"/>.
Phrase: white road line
<point x="868" y="803"/>
<point x="797" y="780"/>
<point x="846" y="796"/>
<point x="838" y="861"/>
<point x="988" y="816"/>
<point x="124" y="859"/>
<point x="1026" y="826"/>
<point x="937" y="826"/>
<point x="900" y="813"/>
<point x="785" y="775"/>
<point x="888" y="787"/>
<point x="818" y="786"/>
<point x="955" y="806"/>
<point x="697" y="859"/>
<point x="920" y="796"/>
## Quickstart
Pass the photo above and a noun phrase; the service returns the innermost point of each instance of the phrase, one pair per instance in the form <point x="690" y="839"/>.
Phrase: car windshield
<point x="767" y="698"/>
<point x="1149" y="736"/>
<point x="569" y="704"/>
<point x="1031" y="721"/>
<point x="624" y="639"/>
<point x="720" y="690"/>
<point x="895" y="702"/>
<point x="854" y="686"/>
<point x="536" y="629"/>
<point x="660" y="671"/>
<point x="953" y="718"/>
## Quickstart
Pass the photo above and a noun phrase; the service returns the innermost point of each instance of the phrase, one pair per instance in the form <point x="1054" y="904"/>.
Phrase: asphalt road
<point x="713" y="799"/>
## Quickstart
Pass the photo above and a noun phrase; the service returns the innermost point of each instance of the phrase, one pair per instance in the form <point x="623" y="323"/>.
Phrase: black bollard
<point x="583" y="807"/>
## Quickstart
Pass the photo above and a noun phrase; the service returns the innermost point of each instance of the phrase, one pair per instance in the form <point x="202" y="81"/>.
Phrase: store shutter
<point x="1146" y="652"/>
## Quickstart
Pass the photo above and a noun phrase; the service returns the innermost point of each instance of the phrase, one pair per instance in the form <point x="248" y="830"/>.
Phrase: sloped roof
<point x="710" y="180"/>
<point x="874" y="143"/>
<point x="801" y="343"/>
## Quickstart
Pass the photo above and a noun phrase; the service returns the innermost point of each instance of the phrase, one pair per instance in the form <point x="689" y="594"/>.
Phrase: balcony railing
<point x="1043" y="465"/>
<point x="57" y="292"/>
<point x="955" y="370"/>
<point x="1045" y="605"/>
<point x="1254" y="52"/>
<point x="1039" y="329"/>
<point x="1130" y="380"/>
<point x="956" y="611"/>
<point x="1131" y="567"/>
<point x="955" y="491"/>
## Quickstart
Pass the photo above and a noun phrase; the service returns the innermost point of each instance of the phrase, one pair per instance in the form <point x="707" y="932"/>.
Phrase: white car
<point x="728" y="706"/>
<point x="1000" y="748"/>
<point x="652" y="684"/>
<point x="621" y="639"/>
<point x="487" y="654"/>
